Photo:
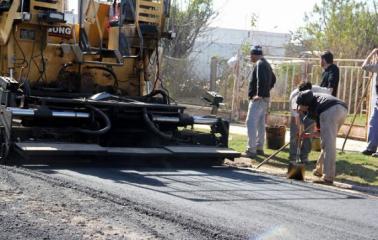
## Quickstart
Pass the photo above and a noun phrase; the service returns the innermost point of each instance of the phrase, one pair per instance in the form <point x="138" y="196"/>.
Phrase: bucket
<point x="275" y="136"/>
<point x="315" y="145"/>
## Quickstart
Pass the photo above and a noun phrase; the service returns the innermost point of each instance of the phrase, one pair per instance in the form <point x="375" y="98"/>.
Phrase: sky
<point x="273" y="15"/>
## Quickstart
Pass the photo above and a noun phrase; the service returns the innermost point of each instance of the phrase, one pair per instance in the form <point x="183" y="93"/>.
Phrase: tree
<point x="253" y="20"/>
<point x="298" y="44"/>
<point x="188" y="22"/>
<point x="348" y="28"/>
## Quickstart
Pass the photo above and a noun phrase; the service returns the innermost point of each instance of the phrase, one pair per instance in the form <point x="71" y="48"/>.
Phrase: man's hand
<point x="255" y="98"/>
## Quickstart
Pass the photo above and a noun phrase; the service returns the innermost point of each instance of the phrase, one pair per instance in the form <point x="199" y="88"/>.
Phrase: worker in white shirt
<point x="297" y="119"/>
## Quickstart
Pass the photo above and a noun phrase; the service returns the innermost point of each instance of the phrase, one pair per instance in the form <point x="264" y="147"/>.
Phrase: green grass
<point x="285" y="113"/>
<point x="350" y="167"/>
<point x="360" y="119"/>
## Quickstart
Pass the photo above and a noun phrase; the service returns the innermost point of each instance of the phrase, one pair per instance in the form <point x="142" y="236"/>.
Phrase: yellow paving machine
<point x="79" y="84"/>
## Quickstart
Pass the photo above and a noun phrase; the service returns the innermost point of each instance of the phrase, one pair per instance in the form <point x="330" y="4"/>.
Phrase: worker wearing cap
<point x="371" y="148"/>
<point x="329" y="113"/>
<point x="297" y="119"/>
<point x="261" y="83"/>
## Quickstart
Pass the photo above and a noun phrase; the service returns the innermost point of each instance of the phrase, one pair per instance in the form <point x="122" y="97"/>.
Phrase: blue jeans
<point x="306" y="143"/>
<point x="256" y="124"/>
<point x="373" y="131"/>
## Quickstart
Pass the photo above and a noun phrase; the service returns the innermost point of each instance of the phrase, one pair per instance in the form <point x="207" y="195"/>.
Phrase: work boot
<point x="367" y="152"/>
<point x="249" y="154"/>
<point x="305" y="160"/>
<point x="323" y="181"/>
<point x="260" y="152"/>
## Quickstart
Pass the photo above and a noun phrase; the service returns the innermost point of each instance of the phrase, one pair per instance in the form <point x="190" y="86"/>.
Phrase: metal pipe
<point x="22" y="8"/>
<point x="204" y="120"/>
<point x="27" y="112"/>
<point x="84" y="101"/>
<point x="21" y="112"/>
<point x="67" y="114"/>
<point x="197" y="120"/>
<point x="11" y="73"/>
<point x="165" y="119"/>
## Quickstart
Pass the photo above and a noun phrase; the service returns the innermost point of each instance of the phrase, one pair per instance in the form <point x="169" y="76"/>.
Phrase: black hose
<point x="109" y="71"/>
<point x="156" y="92"/>
<point x="153" y="128"/>
<point x="101" y="131"/>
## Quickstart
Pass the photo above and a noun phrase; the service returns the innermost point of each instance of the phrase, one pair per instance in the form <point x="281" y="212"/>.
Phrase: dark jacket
<point x="330" y="78"/>
<point x="321" y="103"/>
<point x="262" y="81"/>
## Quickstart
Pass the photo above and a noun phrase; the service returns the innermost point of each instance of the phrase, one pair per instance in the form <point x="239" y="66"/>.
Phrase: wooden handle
<point x="274" y="154"/>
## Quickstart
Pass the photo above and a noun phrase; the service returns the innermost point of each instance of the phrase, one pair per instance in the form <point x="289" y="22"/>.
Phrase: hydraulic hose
<point x="110" y="71"/>
<point x="101" y="131"/>
<point x="150" y="124"/>
<point x="156" y="92"/>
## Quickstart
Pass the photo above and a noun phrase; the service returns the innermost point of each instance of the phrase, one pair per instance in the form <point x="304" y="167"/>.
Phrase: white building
<point x="225" y="43"/>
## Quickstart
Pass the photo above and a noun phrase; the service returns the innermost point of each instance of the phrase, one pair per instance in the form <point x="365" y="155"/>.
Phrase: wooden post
<point x="235" y="102"/>
<point x="213" y="73"/>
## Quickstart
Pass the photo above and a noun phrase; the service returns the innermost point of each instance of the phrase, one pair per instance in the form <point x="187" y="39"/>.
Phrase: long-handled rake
<point x="356" y="112"/>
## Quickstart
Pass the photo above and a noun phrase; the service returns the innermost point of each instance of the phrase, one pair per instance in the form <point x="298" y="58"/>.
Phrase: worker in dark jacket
<point x="329" y="113"/>
<point x="263" y="79"/>
<point x="331" y="74"/>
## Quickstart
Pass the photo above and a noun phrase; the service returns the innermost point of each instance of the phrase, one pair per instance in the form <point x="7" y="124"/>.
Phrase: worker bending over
<point x="297" y="119"/>
<point x="329" y="113"/>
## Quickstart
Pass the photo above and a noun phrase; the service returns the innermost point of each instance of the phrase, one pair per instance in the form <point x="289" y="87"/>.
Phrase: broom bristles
<point x="296" y="171"/>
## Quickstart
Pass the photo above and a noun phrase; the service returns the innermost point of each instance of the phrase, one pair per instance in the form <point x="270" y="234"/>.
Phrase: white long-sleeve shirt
<point x="373" y="67"/>
<point x="294" y="96"/>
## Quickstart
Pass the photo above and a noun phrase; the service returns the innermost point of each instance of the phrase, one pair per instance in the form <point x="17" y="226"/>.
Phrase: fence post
<point x="213" y="73"/>
<point x="235" y="103"/>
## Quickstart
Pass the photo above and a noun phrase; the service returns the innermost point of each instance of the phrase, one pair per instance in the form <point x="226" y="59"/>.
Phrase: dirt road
<point x="212" y="203"/>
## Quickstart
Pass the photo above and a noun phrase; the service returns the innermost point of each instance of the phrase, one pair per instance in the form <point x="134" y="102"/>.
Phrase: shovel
<point x="296" y="169"/>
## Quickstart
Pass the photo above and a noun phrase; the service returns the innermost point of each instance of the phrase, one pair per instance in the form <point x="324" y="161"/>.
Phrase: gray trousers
<point x="255" y="122"/>
<point x="373" y="131"/>
<point x="330" y="123"/>
<point x="306" y="143"/>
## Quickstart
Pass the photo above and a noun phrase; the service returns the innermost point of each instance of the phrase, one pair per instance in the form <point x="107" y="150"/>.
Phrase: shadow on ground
<point x="212" y="184"/>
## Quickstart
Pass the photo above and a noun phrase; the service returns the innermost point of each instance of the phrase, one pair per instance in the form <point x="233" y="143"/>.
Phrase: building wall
<point x="225" y="43"/>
